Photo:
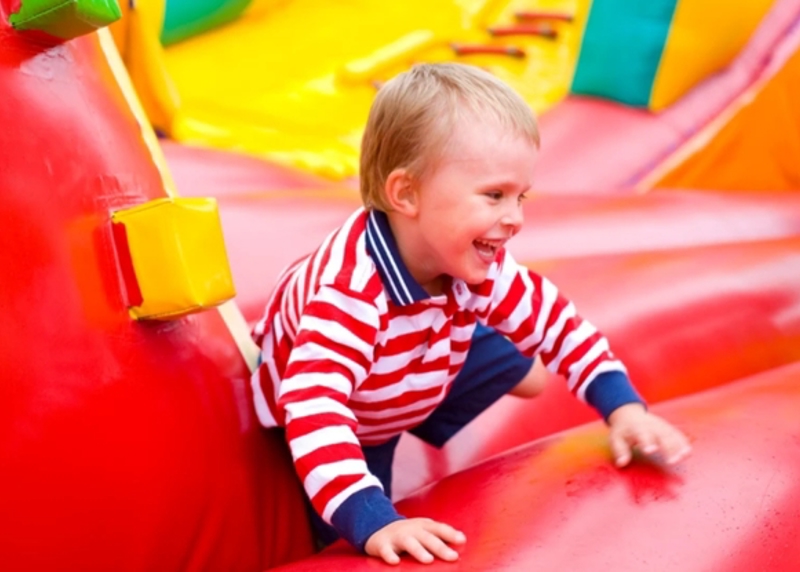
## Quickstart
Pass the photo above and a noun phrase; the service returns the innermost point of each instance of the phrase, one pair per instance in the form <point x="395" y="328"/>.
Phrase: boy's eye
<point x="522" y="197"/>
<point x="495" y="195"/>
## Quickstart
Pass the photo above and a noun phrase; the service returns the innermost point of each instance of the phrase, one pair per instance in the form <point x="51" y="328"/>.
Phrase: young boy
<point x="413" y="316"/>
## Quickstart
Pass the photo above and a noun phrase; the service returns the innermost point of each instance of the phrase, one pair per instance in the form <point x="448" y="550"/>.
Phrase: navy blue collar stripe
<point x="402" y="287"/>
<point x="393" y="270"/>
<point x="386" y="275"/>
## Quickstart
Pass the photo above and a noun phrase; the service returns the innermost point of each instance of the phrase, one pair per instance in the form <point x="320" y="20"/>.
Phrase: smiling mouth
<point x="487" y="250"/>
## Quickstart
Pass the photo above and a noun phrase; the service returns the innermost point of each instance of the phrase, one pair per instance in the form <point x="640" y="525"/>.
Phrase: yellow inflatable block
<point x="704" y="37"/>
<point x="172" y="257"/>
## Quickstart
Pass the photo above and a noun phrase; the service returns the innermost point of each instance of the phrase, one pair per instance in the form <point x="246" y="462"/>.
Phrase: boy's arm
<point x="332" y="354"/>
<point x="531" y="312"/>
<point x="539" y="320"/>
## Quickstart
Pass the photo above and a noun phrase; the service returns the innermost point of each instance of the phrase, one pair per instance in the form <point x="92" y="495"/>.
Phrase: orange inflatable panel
<point x="595" y="146"/>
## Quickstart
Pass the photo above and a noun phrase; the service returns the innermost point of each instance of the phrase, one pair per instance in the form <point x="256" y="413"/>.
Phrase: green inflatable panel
<point x="65" y="19"/>
<point x="621" y="49"/>
<point x="186" y="18"/>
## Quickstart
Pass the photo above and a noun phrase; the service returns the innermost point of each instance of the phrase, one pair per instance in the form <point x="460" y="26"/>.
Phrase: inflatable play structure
<point x="667" y="209"/>
<point x="292" y="81"/>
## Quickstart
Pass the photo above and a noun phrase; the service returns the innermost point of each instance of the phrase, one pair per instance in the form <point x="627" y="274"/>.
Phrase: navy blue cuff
<point x="611" y="390"/>
<point x="362" y="515"/>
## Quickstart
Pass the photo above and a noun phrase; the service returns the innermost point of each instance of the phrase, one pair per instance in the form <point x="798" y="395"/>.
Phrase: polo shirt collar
<point x="382" y="247"/>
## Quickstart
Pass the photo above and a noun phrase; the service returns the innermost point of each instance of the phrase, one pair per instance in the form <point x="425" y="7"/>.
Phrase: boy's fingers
<point x="413" y="546"/>
<point x="621" y="450"/>
<point x="437" y="547"/>
<point x="647" y="442"/>
<point x="679" y="455"/>
<point x="649" y="434"/>
<point x="675" y="447"/>
<point x="388" y="554"/>
<point x="447" y="532"/>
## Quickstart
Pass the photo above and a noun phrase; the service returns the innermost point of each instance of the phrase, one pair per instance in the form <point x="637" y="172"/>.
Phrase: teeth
<point x="486" y="248"/>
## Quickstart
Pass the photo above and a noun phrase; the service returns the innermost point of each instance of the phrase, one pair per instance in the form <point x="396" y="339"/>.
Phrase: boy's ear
<point x="401" y="192"/>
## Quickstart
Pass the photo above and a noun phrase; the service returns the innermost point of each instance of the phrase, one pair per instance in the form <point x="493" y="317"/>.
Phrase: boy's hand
<point x="422" y="538"/>
<point x="632" y="426"/>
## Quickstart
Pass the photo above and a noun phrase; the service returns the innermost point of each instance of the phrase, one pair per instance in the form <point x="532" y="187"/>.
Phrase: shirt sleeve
<point x="332" y="355"/>
<point x="530" y="311"/>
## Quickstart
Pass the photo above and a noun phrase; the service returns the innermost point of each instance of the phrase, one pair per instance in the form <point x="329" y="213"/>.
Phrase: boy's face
<point x="470" y="204"/>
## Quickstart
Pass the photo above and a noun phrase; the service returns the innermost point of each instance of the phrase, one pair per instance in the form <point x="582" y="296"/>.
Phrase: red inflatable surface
<point x="558" y="504"/>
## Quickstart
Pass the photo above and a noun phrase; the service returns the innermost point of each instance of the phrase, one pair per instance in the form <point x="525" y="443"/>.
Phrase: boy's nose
<point x="512" y="218"/>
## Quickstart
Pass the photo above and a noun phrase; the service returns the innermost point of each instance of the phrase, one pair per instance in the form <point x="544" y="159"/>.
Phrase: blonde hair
<point x="415" y="113"/>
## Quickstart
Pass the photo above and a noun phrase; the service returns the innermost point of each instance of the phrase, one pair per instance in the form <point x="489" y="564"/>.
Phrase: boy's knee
<point x="533" y="383"/>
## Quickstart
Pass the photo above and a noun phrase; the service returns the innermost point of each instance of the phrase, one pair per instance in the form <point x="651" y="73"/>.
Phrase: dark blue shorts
<point x="492" y="368"/>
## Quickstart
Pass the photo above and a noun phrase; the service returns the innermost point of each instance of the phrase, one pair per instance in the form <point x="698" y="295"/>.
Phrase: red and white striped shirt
<point x="354" y="351"/>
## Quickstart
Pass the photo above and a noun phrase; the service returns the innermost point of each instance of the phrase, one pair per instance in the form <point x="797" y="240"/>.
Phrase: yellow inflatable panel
<point x="292" y="81"/>
<point x="172" y="257"/>
<point x="704" y="37"/>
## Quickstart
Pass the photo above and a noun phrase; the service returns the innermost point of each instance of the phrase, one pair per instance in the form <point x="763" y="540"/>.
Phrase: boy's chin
<point x="475" y="277"/>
